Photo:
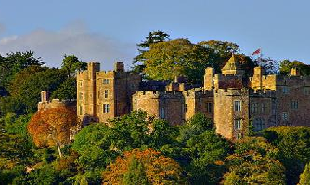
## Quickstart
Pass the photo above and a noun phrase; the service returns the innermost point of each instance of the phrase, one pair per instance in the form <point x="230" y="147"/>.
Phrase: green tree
<point x="66" y="90"/>
<point x="26" y="87"/>
<point x="153" y="37"/>
<point x="196" y="125"/>
<point x="135" y="174"/>
<point x="98" y="144"/>
<point x="254" y="162"/>
<point x="16" y="145"/>
<point x="305" y="176"/>
<point x="179" y="57"/>
<point x="71" y="64"/>
<point x="287" y="65"/>
<point x="13" y="63"/>
<point x="294" y="148"/>
<point x="200" y="151"/>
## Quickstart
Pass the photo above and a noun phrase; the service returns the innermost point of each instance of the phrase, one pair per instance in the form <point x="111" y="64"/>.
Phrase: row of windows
<point x="255" y="108"/>
<point x="258" y="124"/>
<point x="104" y="81"/>
<point x="286" y="90"/>
<point x="105" y="94"/>
<point x="105" y="109"/>
<point x="209" y="107"/>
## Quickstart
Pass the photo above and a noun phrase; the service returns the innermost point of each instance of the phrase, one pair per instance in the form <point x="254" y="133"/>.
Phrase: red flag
<point x="256" y="52"/>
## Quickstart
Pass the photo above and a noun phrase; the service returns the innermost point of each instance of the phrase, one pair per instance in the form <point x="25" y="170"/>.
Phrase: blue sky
<point x="107" y="31"/>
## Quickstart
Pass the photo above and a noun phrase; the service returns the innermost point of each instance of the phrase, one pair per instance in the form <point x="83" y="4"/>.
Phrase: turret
<point x="295" y="72"/>
<point x="208" y="79"/>
<point x="232" y="67"/>
<point x="119" y="67"/>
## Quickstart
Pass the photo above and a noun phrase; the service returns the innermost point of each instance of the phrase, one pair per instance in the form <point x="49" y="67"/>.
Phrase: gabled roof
<point x="231" y="64"/>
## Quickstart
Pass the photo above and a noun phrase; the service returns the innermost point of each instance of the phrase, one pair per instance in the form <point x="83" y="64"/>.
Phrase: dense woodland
<point x="138" y="148"/>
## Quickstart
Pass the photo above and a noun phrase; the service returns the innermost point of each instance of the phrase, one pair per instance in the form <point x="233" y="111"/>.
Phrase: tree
<point x="13" y="63"/>
<point x="254" y="162"/>
<point x="153" y="37"/>
<point x="153" y="168"/>
<point x="201" y="151"/>
<point x="305" y="176"/>
<point x="95" y="145"/>
<point x="98" y="144"/>
<point x="270" y="66"/>
<point x="196" y="125"/>
<point x="52" y="127"/>
<point x="179" y="57"/>
<point x="26" y="87"/>
<point x="287" y="65"/>
<point x="294" y="148"/>
<point x="66" y="90"/>
<point x="221" y="51"/>
<point x="207" y="152"/>
<point x="135" y="174"/>
<point x="71" y="64"/>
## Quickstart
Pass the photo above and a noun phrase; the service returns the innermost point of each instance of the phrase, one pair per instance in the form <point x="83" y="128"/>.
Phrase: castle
<point x="234" y="102"/>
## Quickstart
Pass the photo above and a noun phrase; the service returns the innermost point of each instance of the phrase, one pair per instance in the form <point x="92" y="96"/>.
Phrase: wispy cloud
<point x="73" y="39"/>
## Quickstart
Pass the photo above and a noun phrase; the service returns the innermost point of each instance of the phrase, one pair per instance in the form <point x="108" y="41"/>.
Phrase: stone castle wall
<point x="265" y="100"/>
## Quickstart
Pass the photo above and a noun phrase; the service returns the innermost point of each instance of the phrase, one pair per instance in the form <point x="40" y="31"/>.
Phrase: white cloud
<point x="73" y="39"/>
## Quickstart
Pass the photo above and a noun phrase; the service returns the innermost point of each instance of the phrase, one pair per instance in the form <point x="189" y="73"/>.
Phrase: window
<point x="237" y="106"/>
<point x="264" y="107"/>
<point x="106" y="93"/>
<point x="81" y="96"/>
<point x="294" y="104"/>
<point x="285" y="116"/>
<point x="285" y="90"/>
<point x="209" y="107"/>
<point x="259" y="124"/>
<point x="162" y="113"/>
<point x="81" y="110"/>
<point x="237" y="124"/>
<point x="81" y="83"/>
<point x="274" y="107"/>
<point x="307" y="90"/>
<point x="254" y="108"/>
<point x="106" y="81"/>
<point x="106" y="108"/>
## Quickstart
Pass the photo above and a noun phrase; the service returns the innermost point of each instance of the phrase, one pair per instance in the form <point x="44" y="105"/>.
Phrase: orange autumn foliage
<point x="158" y="168"/>
<point x="52" y="126"/>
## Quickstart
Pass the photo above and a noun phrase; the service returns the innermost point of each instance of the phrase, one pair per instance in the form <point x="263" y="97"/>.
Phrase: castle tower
<point x="119" y="67"/>
<point x="232" y="67"/>
<point x="102" y="95"/>
<point x="86" y="92"/>
<point x="257" y="82"/>
<point x="294" y="72"/>
<point x="208" y="79"/>
<point x="231" y="112"/>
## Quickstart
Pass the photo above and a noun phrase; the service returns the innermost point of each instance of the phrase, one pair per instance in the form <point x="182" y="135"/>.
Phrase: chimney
<point x="44" y="96"/>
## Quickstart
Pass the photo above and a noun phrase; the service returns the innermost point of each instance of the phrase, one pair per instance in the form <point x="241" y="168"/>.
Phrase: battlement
<point x="231" y="92"/>
<point x="263" y="93"/>
<point x="158" y="94"/>
<point x="197" y="93"/>
<point x="56" y="103"/>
